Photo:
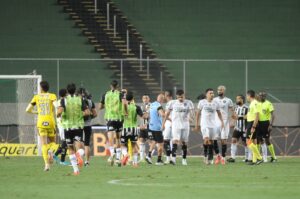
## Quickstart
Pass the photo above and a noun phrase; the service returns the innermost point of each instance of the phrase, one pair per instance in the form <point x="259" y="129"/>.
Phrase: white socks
<point x="233" y="150"/>
<point x="142" y="151"/>
<point x="124" y="151"/>
<point x="81" y="152"/>
<point x="73" y="161"/>
<point x="135" y="158"/>
<point x="112" y="150"/>
<point x="264" y="150"/>
<point x="246" y="152"/>
<point x="249" y="154"/>
<point x="118" y="154"/>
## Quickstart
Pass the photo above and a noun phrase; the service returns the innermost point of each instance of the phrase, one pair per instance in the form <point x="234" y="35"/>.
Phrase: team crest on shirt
<point x="185" y="104"/>
<point x="45" y="123"/>
<point x="224" y="101"/>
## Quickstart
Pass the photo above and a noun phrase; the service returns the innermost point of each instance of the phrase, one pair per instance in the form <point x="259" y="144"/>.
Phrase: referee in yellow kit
<point x="265" y="124"/>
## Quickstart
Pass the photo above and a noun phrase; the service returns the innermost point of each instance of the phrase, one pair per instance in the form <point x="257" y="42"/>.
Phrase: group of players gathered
<point x="163" y="124"/>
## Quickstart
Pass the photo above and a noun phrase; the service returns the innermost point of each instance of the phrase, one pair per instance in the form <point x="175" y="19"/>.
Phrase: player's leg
<point x="43" y="136"/>
<point x="215" y="143"/>
<point x="252" y="145"/>
<point x="167" y="133"/>
<point x="205" y="136"/>
<point x="70" y="142"/>
<point x="224" y="138"/>
<point x="79" y="146"/>
<point x="159" y="140"/>
<point x="143" y="135"/>
<point x="118" y="129"/>
<point x="133" y="139"/>
<point x="176" y="135"/>
<point x="151" y="146"/>
<point x="124" y="140"/>
<point x="243" y="138"/>
<point x="184" y="140"/>
<point x="111" y="141"/>
<point x="233" y="147"/>
<point x="87" y="130"/>
<point x="271" y="149"/>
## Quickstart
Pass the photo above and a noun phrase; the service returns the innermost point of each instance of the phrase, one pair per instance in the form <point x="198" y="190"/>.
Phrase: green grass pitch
<point x="23" y="177"/>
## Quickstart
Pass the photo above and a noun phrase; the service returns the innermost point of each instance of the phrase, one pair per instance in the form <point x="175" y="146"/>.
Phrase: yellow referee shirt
<point x="253" y="110"/>
<point x="265" y="110"/>
<point x="45" y="109"/>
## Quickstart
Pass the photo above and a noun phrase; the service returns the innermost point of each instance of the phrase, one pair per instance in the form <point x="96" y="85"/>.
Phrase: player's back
<point x="45" y="109"/>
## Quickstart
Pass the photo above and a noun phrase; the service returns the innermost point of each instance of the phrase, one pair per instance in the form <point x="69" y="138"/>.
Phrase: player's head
<point x="201" y="96"/>
<point x="160" y="97"/>
<point x="221" y="90"/>
<point x="146" y="98"/>
<point x="62" y="93"/>
<point x="71" y="88"/>
<point x="129" y="96"/>
<point x="250" y="95"/>
<point x="114" y="85"/>
<point x="44" y="86"/>
<point x="240" y="99"/>
<point x="82" y="92"/>
<point x="209" y="93"/>
<point x="168" y="95"/>
<point x="262" y="95"/>
<point x="180" y="95"/>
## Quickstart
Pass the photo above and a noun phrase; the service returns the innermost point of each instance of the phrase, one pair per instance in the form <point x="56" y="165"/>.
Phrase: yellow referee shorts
<point x="46" y="132"/>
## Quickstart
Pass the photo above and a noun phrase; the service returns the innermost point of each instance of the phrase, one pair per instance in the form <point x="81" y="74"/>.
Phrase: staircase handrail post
<point x="127" y="41"/>
<point x="107" y="15"/>
<point x="115" y="25"/>
<point x="141" y="57"/>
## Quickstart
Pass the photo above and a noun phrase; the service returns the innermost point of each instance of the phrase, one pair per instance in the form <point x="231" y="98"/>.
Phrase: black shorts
<point x="239" y="134"/>
<point x="263" y="129"/>
<point x="114" y="126"/>
<point x="74" y="135"/>
<point x="156" y="136"/>
<point x="129" y="133"/>
<point x="143" y="134"/>
<point x="87" y="132"/>
<point x="249" y="126"/>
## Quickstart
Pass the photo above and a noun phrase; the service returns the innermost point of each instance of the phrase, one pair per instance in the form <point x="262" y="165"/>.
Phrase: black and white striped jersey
<point x="145" y="109"/>
<point x="241" y="122"/>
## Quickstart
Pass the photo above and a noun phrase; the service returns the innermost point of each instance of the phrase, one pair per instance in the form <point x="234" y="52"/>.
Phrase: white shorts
<point x="223" y="133"/>
<point x="181" y="134"/>
<point x="209" y="133"/>
<point x="61" y="133"/>
<point x="167" y="133"/>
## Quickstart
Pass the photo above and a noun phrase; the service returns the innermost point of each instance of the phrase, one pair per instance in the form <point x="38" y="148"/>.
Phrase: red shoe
<point x="125" y="160"/>
<point x="218" y="159"/>
<point x="223" y="162"/>
<point x="79" y="160"/>
<point x="76" y="173"/>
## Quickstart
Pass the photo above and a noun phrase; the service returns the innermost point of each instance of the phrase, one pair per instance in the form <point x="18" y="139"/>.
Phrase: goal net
<point x="17" y="126"/>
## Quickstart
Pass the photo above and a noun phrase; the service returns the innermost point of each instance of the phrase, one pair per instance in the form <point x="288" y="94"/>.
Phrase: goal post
<point x="17" y="126"/>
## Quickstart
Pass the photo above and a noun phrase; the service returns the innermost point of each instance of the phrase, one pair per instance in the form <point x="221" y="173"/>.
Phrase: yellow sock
<point x="255" y="152"/>
<point x="45" y="153"/>
<point x="272" y="151"/>
<point x="52" y="146"/>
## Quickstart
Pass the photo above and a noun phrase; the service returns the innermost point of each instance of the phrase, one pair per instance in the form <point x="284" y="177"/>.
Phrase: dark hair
<point x="129" y="96"/>
<point x="201" y="96"/>
<point x="62" y="92"/>
<point x="169" y="93"/>
<point x="44" y="85"/>
<point x="209" y="89"/>
<point x="242" y="96"/>
<point x="180" y="92"/>
<point x="71" y="88"/>
<point x="114" y="83"/>
<point x="251" y="93"/>
<point x="81" y="91"/>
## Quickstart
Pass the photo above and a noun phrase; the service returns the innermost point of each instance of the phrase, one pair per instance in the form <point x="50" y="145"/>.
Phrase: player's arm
<point x="167" y="115"/>
<point x="102" y="102"/>
<point x="220" y="118"/>
<point x="198" y="117"/>
<point x="85" y="108"/>
<point x="272" y="117"/>
<point x="31" y="105"/>
<point x="255" y="120"/>
<point x="141" y="114"/>
<point x="60" y="108"/>
<point x="93" y="112"/>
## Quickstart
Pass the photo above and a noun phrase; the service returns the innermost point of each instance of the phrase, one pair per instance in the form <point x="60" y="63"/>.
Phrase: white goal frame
<point x="39" y="79"/>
